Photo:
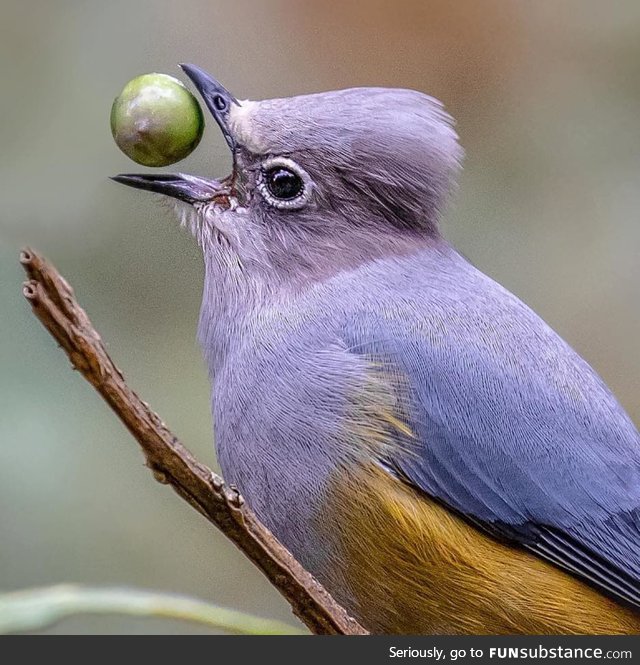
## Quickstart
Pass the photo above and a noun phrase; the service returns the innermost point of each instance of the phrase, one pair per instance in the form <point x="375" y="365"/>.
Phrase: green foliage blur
<point x="546" y="95"/>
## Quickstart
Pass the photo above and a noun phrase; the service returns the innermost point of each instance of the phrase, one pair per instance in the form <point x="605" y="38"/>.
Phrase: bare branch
<point x="53" y="302"/>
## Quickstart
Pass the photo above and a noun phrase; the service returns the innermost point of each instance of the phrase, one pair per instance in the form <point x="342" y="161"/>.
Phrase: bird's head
<point x="320" y="183"/>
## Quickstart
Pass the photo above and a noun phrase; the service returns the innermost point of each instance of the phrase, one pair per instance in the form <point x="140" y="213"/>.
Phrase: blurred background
<point x="547" y="98"/>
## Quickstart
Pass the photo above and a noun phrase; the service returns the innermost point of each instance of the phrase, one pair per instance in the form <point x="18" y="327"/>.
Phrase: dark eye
<point x="283" y="183"/>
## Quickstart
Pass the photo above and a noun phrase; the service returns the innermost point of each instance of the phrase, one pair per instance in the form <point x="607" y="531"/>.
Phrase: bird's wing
<point x="510" y="428"/>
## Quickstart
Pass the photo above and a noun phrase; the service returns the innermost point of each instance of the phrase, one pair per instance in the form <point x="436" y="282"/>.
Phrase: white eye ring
<point x="297" y="201"/>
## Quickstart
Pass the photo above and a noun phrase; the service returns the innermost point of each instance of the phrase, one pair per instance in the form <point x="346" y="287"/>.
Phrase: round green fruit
<point x="156" y="121"/>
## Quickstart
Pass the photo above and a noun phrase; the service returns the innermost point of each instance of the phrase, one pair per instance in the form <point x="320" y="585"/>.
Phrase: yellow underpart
<point x="414" y="567"/>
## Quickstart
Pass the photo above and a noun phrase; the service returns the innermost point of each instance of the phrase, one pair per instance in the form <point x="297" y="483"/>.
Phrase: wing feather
<point x="512" y="429"/>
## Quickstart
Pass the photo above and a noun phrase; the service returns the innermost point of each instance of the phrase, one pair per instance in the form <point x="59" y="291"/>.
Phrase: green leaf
<point x="35" y="609"/>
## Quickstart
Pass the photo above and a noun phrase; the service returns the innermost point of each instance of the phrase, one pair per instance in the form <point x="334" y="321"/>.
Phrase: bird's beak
<point x="217" y="98"/>
<point x="188" y="188"/>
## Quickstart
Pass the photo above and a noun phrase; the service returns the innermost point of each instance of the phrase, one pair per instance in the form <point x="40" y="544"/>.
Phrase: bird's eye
<point x="284" y="184"/>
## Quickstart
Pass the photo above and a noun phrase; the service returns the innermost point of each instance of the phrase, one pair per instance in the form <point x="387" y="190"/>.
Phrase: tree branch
<point x="53" y="302"/>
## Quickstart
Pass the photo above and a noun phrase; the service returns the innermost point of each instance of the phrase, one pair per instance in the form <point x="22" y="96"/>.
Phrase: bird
<point x="437" y="456"/>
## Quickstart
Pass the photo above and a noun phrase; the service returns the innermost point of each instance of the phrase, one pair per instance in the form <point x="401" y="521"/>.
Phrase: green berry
<point x="156" y="121"/>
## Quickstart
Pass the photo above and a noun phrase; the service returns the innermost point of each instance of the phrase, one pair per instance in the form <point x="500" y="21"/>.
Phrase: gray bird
<point x="420" y="440"/>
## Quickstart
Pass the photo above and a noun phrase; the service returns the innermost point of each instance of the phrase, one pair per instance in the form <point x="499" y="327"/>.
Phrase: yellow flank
<point x="398" y="424"/>
<point x="377" y="418"/>
<point x="413" y="567"/>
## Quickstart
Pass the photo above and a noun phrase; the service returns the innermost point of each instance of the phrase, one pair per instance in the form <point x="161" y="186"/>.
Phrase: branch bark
<point x="53" y="302"/>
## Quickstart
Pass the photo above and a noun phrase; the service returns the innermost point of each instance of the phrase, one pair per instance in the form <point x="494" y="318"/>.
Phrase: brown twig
<point x="53" y="302"/>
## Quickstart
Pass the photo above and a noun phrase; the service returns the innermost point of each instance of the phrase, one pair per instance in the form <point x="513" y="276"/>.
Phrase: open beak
<point x="188" y="188"/>
<point x="217" y="98"/>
